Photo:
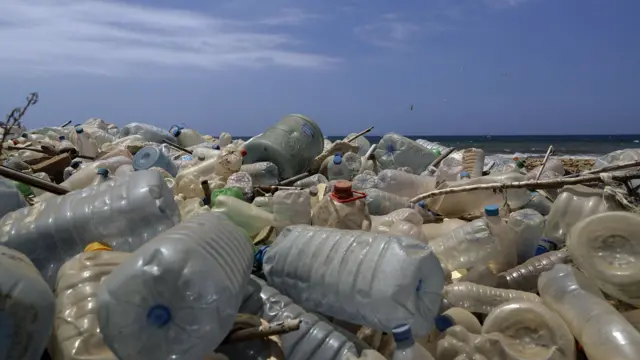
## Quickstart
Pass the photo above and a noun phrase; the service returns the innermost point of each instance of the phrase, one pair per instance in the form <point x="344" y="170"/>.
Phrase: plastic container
<point x="528" y="226"/>
<point x="313" y="180"/>
<point x="100" y="136"/>
<point x="506" y="257"/>
<point x="539" y="203"/>
<point x="291" y="207"/>
<point x="248" y="217"/>
<point x="264" y="202"/>
<point x="84" y="143"/>
<point x="76" y="335"/>
<point x="12" y="199"/>
<point x="149" y="157"/>
<point x="262" y="173"/>
<point x="381" y="202"/>
<point x="217" y="169"/>
<point x="396" y="151"/>
<point x="28" y="308"/>
<point x="224" y="140"/>
<point x="242" y="181"/>
<point x="406" y="347"/>
<point x="374" y="280"/>
<point x="124" y="213"/>
<point x="446" y="320"/>
<point x="64" y="144"/>
<point x="607" y="248"/>
<point x="342" y="209"/>
<point x="404" y="184"/>
<point x="186" y="137"/>
<point x="290" y="144"/>
<point x="177" y="296"/>
<point x="435" y="230"/>
<point x="524" y="277"/>
<point x="85" y="175"/>
<point x="435" y="147"/>
<point x="481" y="299"/>
<point x="102" y="176"/>
<point x="146" y="132"/>
<point x="473" y="162"/>
<point x="603" y="333"/>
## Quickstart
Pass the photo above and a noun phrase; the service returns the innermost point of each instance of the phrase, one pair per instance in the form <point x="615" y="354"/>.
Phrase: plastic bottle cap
<point x="464" y="174"/>
<point x="103" y="172"/>
<point x="342" y="189"/>
<point x="422" y="204"/>
<point x="313" y="191"/>
<point x="175" y="130"/>
<point x="443" y="322"/>
<point x="337" y="158"/>
<point x="492" y="210"/>
<point x="217" y="147"/>
<point x="437" y="152"/>
<point x="520" y="164"/>
<point x="15" y="142"/>
<point x="79" y="130"/>
<point x="75" y="164"/>
<point x="24" y="135"/>
<point x="243" y="152"/>
<point x="402" y="333"/>
<point x="95" y="246"/>
<point x="258" y="257"/>
<point x="158" y="315"/>
<point x="62" y="138"/>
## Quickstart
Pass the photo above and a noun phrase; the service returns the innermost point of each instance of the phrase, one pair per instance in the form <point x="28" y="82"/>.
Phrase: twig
<point x="532" y="184"/>
<point x="277" y="328"/>
<point x="272" y="189"/>
<point x="14" y="117"/>
<point x="295" y="179"/>
<point x="65" y="124"/>
<point x="544" y="162"/>
<point x="176" y="146"/>
<point x="11" y="174"/>
<point x="361" y="133"/>
<point x="435" y="163"/>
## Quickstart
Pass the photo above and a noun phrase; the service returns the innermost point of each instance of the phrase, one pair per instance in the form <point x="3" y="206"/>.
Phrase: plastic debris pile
<point x="139" y="243"/>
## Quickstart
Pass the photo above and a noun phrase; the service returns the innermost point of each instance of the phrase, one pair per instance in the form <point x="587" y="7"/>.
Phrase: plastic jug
<point x="396" y="151"/>
<point x="290" y="144"/>
<point x="248" y="217"/>
<point x="147" y="132"/>
<point x="102" y="175"/>
<point x="77" y="335"/>
<point x="189" y="179"/>
<point x="368" y="279"/>
<point x="177" y="296"/>
<point x="186" y="137"/>
<point x="28" y="308"/>
<point x="84" y="176"/>
<point x="85" y="144"/>
<point x="473" y="162"/>
<point x="344" y="209"/>
<point x="149" y="157"/>
<point x="381" y="202"/>
<point x="527" y="226"/>
<point x="404" y="184"/>
<point x="343" y="167"/>
<point x="291" y="207"/>
<point x="262" y="173"/>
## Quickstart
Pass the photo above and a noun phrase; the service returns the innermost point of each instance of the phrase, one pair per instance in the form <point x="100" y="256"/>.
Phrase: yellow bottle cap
<point x="97" y="246"/>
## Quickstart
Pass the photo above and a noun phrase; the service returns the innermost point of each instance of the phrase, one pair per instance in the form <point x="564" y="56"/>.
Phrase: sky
<point x="468" y="67"/>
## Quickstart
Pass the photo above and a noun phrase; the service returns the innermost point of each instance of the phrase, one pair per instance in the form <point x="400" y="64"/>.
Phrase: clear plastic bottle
<point x="435" y="147"/>
<point x="102" y="176"/>
<point x="150" y="156"/>
<point x="366" y="180"/>
<point x="601" y="330"/>
<point x="262" y="173"/>
<point x="396" y="151"/>
<point x="291" y="207"/>
<point x="248" y="217"/>
<point x="342" y="209"/>
<point x="28" y="308"/>
<point x="362" y="142"/>
<point x="85" y="144"/>
<point x="224" y="140"/>
<point x="125" y="213"/>
<point x="473" y="162"/>
<point x="368" y="279"/>
<point x="528" y="226"/>
<point x="524" y="277"/>
<point x="186" y="137"/>
<point x="506" y="257"/>
<point x="84" y="175"/>
<point x="242" y="181"/>
<point x="146" y="132"/>
<point x="343" y="167"/>
<point x="404" y="184"/>
<point x="539" y="203"/>
<point x="177" y="296"/>
<point x="435" y="230"/>
<point x="64" y="144"/>
<point x="406" y="347"/>
<point x="481" y="299"/>
<point x="313" y="180"/>
<point x="264" y="202"/>
<point x="381" y="202"/>
<point x="11" y="197"/>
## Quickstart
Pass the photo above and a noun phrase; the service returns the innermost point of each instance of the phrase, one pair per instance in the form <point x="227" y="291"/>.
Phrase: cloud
<point x="116" y="38"/>
<point x="393" y="32"/>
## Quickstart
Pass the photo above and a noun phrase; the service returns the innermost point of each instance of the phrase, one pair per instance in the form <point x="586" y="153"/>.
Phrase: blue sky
<point x="467" y="66"/>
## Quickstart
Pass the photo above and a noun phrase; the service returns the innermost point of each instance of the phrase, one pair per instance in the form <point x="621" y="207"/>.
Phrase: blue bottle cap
<point x="402" y="333"/>
<point x="158" y="315"/>
<point x="541" y="250"/>
<point x="422" y="204"/>
<point x="258" y="257"/>
<point x="103" y="172"/>
<point x="24" y="135"/>
<point x="492" y="210"/>
<point x="337" y="158"/>
<point x="175" y="130"/>
<point x="79" y="130"/>
<point x="75" y="164"/>
<point x="464" y="174"/>
<point x="215" y="147"/>
<point x="443" y="322"/>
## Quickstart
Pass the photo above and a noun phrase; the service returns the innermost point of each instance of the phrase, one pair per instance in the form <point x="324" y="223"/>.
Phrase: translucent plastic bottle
<point x="315" y="340"/>
<point x="149" y="157"/>
<point x="406" y="347"/>
<point x="481" y="299"/>
<point x="291" y="144"/>
<point x="362" y="142"/>
<point x="262" y="173"/>
<point x="342" y="209"/>
<point x="343" y="167"/>
<point x="264" y="202"/>
<point x="313" y="180"/>
<point x="146" y="132"/>
<point x="82" y="141"/>
<point x="12" y="199"/>
<point x="248" y="217"/>
<point x="528" y="226"/>
<point x="451" y="317"/>
<point x="396" y="151"/>
<point x="525" y="276"/>
<point x="607" y="248"/>
<point x="506" y="257"/>
<point x="85" y="175"/>
<point x="186" y="137"/>
<point x="375" y="280"/>
<point x="125" y="213"/>
<point x="539" y="203"/>
<point x="76" y="335"/>
<point x="224" y="140"/>
<point x="177" y="296"/>
<point x="64" y="144"/>
<point x="28" y="308"/>
<point x="189" y="180"/>
<point x="381" y="202"/>
<point x="601" y="330"/>
<point x="473" y="162"/>
<point x="435" y="230"/>
<point x="435" y="147"/>
<point x="404" y="184"/>
<point x="102" y="175"/>
<point x="242" y="181"/>
<point x="291" y="207"/>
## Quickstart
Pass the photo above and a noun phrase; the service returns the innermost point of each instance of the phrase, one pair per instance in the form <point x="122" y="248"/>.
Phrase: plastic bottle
<point x="76" y="335"/>
<point x="452" y="317"/>
<point x="84" y="175"/>
<point x="507" y="256"/>
<point x="264" y="202"/>
<point x="340" y="169"/>
<point x="539" y="203"/>
<point x="381" y="202"/>
<point x="315" y="340"/>
<point x="102" y="176"/>
<point x="481" y="299"/>
<point x="248" y="217"/>
<point x="344" y="209"/>
<point x="313" y="180"/>
<point x="177" y="296"/>
<point x="528" y="226"/>
<point x="188" y="180"/>
<point x="396" y="151"/>
<point x="242" y="181"/>
<point x="362" y="142"/>
<point x="64" y="144"/>
<point x="291" y="144"/>
<point x="11" y="197"/>
<point x="404" y="184"/>
<point x="291" y="207"/>
<point x="124" y="213"/>
<point x="406" y="347"/>
<point x="100" y="136"/>
<point x="601" y="330"/>
<point x="433" y="146"/>
<point x="43" y="176"/>
<point x="147" y="132"/>
<point x="435" y="230"/>
<point x="85" y="144"/>
<point x="224" y="140"/>
<point x="524" y="277"/>
<point x="473" y="162"/>
<point x="149" y="157"/>
<point x="186" y="137"/>
<point x="607" y="248"/>
<point x="262" y="173"/>
<point x="464" y="176"/>
<point x="28" y="308"/>
<point x="368" y="279"/>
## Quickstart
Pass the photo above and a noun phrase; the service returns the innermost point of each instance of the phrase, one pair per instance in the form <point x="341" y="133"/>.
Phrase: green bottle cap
<point x="24" y="189"/>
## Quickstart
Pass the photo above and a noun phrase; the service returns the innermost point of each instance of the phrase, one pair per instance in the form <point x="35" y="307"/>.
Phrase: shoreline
<point x="572" y="165"/>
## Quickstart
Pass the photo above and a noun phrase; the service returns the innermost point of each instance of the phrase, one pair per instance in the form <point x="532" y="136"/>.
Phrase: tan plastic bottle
<point x="342" y="209"/>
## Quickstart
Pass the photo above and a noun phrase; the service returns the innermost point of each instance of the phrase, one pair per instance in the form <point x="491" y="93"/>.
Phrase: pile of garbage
<point x="141" y="243"/>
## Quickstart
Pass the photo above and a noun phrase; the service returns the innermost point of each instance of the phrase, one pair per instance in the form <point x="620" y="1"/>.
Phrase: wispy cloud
<point x="116" y="38"/>
<point x="390" y="31"/>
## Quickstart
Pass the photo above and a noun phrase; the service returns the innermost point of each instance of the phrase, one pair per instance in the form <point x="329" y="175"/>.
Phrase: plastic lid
<point x="464" y="174"/>
<point x="158" y="315"/>
<point x="15" y="142"/>
<point x="519" y="164"/>
<point x="75" y="164"/>
<point x="79" y="130"/>
<point x="313" y="191"/>
<point x="443" y="322"/>
<point x="216" y="147"/>
<point x="175" y="130"/>
<point x="422" y="204"/>
<point x="95" y="246"/>
<point x="103" y="172"/>
<point x="243" y="152"/>
<point x="402" y="333"/>
<point x="492" y="210"/>
<point x="342" y="189"/>
<point x="258" y="257"/>
<point x="24" y="135"/>
<point x="147" y="158"/>
<point x="337" y="158"/>
<point x="62" y="138"/>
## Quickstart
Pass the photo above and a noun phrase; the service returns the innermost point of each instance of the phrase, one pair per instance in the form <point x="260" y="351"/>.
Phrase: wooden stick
<point x="435" y="163"/>
<point x="14" y="175"/>
<point x="294" y="179"/>
<point x="176" y="146"/>
<point x="608" y="168"/>
<point x="272" y="189"/>
<point x="18" y="148"/>
<point x="532" y="184"/>
<point x="544" y="162"/>
<point x="65" y="124"/>
<point x="361" y="133"/>
<point x="277" y="328"/>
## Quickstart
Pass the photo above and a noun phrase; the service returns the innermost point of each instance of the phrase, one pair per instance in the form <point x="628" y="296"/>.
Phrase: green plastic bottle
<point x="24" y="189"/>
<point x="232" y="191"/>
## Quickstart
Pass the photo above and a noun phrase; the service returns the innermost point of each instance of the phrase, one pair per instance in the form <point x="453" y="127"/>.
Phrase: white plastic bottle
<point x="186" y="137"/>
<point x="28" y="308"/>
<point x="146" y="132"/>
<point x="507" y="256"/>
<point x="481" y="299"/>
<point x="291" y="207"/>
<point x="64" y="144"/>
<point x="177" y="296"/>
<point x="262" y="173"/>
<point x="343" y="208"/>
<point x="338" y="169"/>
<point x="85" y="144"/>
<point x="527" y="226"/>
<point x="381" y="202"/>
<point x="248" y="217"/>
<point x="404" y="184"/>
<point x="369" y="279"/>
<point x="396" y="151"/>
<point x="406" y="347"/>
<point x="102" y="176"/>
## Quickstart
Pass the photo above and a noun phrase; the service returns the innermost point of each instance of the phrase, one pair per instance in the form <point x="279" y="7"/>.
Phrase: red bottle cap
<point x="243" y="152"/>
<point x="342" y="189"/>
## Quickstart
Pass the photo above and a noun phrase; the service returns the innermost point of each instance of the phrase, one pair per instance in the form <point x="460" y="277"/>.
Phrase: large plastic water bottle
<point x="525" y="276"/>
<point x="403" y="184"/>
<point x="186" y="137"/>
<point x="85" y="144"/>
<point x="291" y="207"/>
<point x="528" y="226"/>
<point x="396" y="151"/>
<point x="177" y="296"/>
<point x="27" y="308"/>
<point x="368" y="279"/>
<point x="262" y="173"/>
<point x="125" y="213"/>
<point x="247" y="216"/>
<point x="150" y="156"/>
<point x="11" y="198"/>
<point x="381" y="202"/>
<point x="291" y="144"/>
<point x="406" y="347"/>
<point x="147" y="132"/>
<point x="102" y="175"/>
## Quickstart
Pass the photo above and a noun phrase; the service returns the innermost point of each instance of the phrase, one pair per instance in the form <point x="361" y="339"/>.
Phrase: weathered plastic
<point x="482" y="299"/>
<point x="396" y="151"/>
<point x="291" y="207"/>
<point x="147" y="132"/>
<point x="149" y="157"/>
<point x="248" y="217"/>
<point x="11" y="198"/>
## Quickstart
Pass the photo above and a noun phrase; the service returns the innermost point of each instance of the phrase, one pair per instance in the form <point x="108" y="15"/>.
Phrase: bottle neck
<point x="405" y="344"/>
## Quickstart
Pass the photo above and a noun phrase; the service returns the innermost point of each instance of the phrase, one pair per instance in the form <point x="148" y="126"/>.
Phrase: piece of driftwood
<point x="360" y="134"/>
<point x="294" y="179"/>
<point x="274" y="188"/>
<point x="177" y="147"/>
<point x="435" y="163"/>
<point x="532" y="184"/>
<point x="544" y="162"/>
<point x="32" y="181"/>
<point x="263" y="331"/>
<point x="66" y="123"/>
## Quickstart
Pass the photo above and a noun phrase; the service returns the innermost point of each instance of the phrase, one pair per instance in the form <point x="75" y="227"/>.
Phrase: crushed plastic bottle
<point x="291" y="207"/>
<point x="396" y="151"/>
<point x="344" y="209"/>
<point x="481" y="299"/>
<point x="528" y="226"/>
<point x="149" y="157"/>
<point x="404" y="184"/>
